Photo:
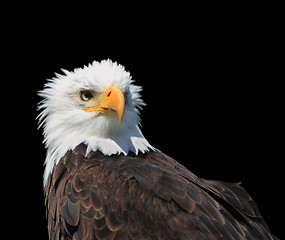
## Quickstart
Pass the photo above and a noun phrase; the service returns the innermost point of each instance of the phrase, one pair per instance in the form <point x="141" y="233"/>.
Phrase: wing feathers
<point x="96" y="200"/>
<point x="149" y="196"/>
<point x="70" y="211"/>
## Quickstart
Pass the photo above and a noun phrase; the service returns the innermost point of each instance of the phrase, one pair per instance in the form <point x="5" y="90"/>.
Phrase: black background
<point x="210" y="83"/>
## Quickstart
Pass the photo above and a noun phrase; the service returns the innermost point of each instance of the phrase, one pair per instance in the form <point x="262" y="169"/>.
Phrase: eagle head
<point x="97" y="105"/>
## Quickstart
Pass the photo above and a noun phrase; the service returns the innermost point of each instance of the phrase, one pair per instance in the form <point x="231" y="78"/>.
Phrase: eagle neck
<point x="131" y="141"/>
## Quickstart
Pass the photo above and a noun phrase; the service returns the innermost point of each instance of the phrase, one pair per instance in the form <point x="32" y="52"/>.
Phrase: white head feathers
<point x="66" y="124"/>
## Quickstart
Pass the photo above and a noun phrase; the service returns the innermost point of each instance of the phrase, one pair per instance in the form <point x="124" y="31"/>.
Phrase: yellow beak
<point x="113" y="100"/>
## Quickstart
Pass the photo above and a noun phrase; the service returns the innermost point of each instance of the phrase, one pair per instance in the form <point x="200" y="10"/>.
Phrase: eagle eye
<point x="85" y="95"/>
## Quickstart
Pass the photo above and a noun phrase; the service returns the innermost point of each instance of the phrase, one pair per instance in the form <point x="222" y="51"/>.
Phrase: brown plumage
<point x="144" y="196"/>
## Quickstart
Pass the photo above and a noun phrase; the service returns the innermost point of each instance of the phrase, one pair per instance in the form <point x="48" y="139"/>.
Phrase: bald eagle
<point x="104" y="180"/>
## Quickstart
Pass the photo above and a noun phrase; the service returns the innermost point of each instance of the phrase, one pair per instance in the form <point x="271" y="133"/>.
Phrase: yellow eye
<point x="85" y="95"/>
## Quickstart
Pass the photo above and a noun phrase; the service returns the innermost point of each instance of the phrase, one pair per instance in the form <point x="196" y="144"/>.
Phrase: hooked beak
<point x="113" y="101"/>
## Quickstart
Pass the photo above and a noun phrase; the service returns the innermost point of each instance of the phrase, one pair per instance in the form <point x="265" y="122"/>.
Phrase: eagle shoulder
<point x="144" y="196"/>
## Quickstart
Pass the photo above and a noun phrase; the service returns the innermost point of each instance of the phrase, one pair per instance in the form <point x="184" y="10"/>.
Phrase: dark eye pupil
<point x="86" y="95"/>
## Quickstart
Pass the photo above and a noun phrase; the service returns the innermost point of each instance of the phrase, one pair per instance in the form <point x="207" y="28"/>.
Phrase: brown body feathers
<point x="144" y="196"/>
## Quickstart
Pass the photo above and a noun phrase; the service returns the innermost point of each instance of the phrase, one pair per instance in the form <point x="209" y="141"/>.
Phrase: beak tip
<point x="120" y="120"/>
